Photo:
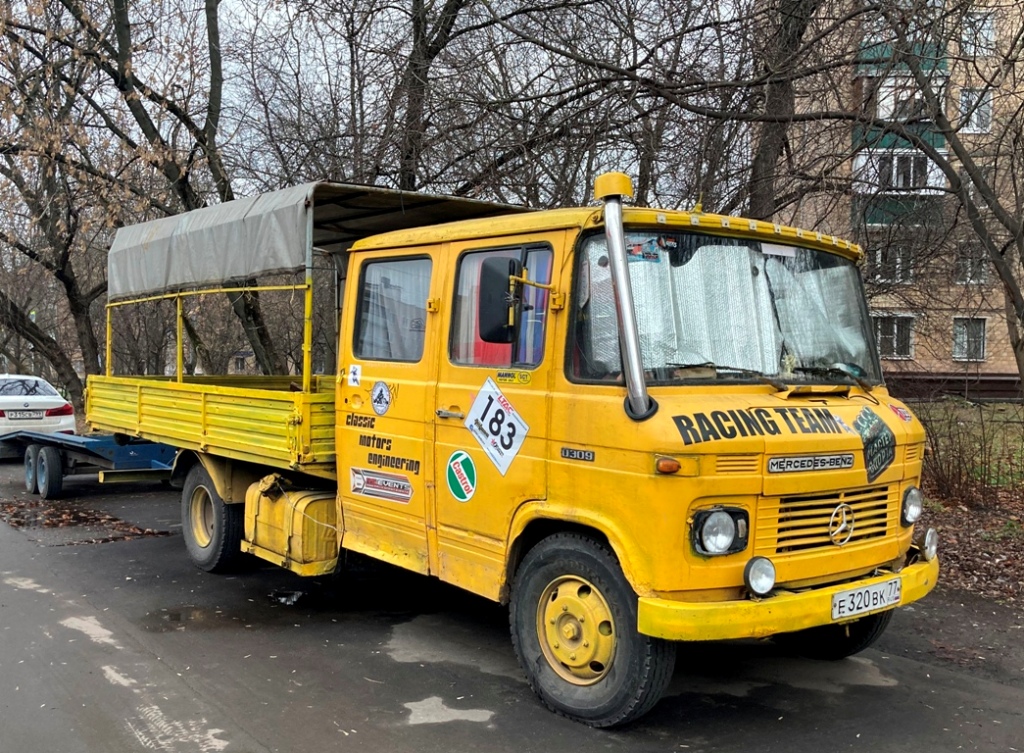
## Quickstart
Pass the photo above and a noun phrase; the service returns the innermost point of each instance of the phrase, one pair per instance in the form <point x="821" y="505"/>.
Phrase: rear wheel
<point x="49" y="472"/>
<point x="834" y="642"/>
<point x="573" y="618"/>
<point x="212" y="529"/>
<point x="31" y="453"/>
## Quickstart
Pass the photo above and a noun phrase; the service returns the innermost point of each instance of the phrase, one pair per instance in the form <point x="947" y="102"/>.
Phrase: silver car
<point x="28" y="403"/>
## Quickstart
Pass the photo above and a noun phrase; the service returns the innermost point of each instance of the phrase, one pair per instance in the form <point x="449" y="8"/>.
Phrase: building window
<point x="239" y="364"/>
<point x="890" y="263"/>
<point x="979" y="34"/>
<point x="968" y="339"/>
<point x="971" y="264"/>
<point x="892" y="333"/>
<point x="896" y="170"/>
<point x="902" y="170"/>
<point x="975" y="110"/>
<point x="908" y="104"/>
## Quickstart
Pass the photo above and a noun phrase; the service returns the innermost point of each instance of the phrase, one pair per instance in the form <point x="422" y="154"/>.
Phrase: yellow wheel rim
<point x="576" y="630"/>
<point x="200" y="515"/>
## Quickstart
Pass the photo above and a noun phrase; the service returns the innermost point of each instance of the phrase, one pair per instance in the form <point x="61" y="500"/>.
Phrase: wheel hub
<point x="576" y="630"/>
<point x="201" y="516"/>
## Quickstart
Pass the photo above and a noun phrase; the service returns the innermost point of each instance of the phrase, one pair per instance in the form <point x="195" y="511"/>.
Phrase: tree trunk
<point x="778" y="56"/>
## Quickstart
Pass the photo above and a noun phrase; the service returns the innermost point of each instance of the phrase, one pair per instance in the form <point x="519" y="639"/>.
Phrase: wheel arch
<point x="530" y="527"/>
<point x="231" y="478"/>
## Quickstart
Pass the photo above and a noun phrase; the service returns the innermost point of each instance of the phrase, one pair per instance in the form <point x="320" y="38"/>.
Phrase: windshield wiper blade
<point x="826" y="371"/>
<point x="760" y="375"/>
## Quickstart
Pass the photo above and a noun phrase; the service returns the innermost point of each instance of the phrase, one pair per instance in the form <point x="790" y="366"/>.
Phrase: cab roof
<point x="584" y="218"/>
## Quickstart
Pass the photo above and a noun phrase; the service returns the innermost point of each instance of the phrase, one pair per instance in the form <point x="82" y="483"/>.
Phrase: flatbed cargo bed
<point x="269" y="421"/>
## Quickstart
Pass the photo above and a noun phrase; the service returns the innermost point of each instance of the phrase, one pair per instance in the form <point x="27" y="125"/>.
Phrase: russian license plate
<point x="846" y="604"/>
<point x="21" y="415"/>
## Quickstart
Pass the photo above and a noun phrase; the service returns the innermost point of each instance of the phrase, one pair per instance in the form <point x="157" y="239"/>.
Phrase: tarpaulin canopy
<point x="269" y="233"/>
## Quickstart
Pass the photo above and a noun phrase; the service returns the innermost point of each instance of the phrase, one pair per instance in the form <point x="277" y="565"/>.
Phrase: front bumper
<point x="783" y="612"/>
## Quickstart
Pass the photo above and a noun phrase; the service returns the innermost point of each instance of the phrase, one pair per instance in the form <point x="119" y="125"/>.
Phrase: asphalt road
<point x="124" y="646"/>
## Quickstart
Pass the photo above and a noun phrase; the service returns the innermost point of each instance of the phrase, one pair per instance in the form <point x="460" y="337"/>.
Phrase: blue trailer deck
<point x="49" y="457"/>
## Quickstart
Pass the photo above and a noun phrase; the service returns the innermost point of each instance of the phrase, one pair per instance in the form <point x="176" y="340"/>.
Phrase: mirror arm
<point x="525" y="281"/>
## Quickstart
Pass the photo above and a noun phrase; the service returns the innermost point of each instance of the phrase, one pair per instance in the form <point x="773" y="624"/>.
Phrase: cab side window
<point x="466" y="348"/>
<point x="392" y="309"/>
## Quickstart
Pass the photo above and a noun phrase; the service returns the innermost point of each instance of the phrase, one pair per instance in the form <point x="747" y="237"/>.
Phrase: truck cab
<point x="765" y="484"/>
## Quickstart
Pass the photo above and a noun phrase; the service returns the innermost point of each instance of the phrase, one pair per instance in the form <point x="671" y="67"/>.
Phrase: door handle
<point x="442" y="413"/>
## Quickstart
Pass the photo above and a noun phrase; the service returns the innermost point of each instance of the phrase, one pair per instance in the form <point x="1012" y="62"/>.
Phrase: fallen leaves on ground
<point x="37" y="513"/>
<point x="981" y="546"/>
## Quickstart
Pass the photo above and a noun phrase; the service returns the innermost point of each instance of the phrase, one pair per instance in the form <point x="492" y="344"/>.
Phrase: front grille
<point x="746" y="464"/>
<point x="799" y="523"/>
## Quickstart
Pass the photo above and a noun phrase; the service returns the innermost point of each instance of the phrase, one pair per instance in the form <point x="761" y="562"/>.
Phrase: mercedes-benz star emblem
<point x="840" y="525"/>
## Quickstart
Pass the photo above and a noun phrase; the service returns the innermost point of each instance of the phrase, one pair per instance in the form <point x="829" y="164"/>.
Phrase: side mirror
<point x="497" y="309"/>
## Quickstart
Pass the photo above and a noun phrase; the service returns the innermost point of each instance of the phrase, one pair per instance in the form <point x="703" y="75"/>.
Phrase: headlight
<point x="759" y="576"/>
<point x="720" y="531"/>
<point x="913" y="504"/>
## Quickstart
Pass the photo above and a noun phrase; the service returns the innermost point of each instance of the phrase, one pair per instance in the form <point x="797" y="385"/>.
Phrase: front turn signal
<point x="667" y="465"/>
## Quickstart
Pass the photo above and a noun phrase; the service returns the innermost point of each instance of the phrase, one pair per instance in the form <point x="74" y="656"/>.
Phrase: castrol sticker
<point x="461" y="476"/>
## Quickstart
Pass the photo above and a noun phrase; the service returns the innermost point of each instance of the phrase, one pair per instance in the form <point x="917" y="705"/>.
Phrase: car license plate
<point x="21" y="415"/>
<point x="846" y="604"/>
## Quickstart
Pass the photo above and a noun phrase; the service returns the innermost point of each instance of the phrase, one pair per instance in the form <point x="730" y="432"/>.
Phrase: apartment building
<point x="946" y="81"/>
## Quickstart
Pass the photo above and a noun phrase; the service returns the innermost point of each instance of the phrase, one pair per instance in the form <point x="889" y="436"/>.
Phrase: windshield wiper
<point x="832" y="371"/>
<point x="759" y="375"/>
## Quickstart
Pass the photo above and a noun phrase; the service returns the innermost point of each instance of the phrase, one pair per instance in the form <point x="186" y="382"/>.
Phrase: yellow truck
<point x="634" y="426"/>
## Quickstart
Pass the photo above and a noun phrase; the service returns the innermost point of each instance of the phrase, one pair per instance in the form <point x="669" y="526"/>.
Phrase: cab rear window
<point x="392" y="309"/>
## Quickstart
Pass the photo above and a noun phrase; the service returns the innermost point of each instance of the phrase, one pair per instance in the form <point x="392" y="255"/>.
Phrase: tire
<point x="834" y="642"/>
<point x="49" y="473"/>
<point x="31" y="484"/>
<point x="599" y="671"/>
<point x="212" y="530"/>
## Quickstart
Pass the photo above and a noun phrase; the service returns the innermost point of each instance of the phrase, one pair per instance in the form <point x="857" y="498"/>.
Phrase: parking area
<point x="111" y="641"/>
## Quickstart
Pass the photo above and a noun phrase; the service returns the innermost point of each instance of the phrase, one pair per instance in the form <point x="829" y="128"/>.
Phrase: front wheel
<point x="212" y="529"/>
<point x="573" y="618"/>
<point x="834" y="642"/>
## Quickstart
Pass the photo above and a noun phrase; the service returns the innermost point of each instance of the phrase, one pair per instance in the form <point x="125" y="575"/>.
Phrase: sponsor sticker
<point x="903" y="413"/>
<point x="496" y="425"/>
<point x="379" y="485"/>
<point x="380" y="398"/>
<point x="513" y="377"/>
<point x="355" y="375"/>
<point x="842" y="461"/>
<point x="461" y="476"/>
<point x="879" y="442"/>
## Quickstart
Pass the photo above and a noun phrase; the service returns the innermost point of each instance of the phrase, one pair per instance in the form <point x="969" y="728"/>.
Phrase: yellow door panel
<point x="386" y="391"/>
<point x="491" y="424"/>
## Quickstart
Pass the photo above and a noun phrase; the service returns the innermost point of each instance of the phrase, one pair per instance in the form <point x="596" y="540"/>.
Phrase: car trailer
<point x="118" y="458"/>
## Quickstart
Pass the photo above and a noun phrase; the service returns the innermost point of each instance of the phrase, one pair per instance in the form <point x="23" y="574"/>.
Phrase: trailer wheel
<point x="49" y="472"/>
<point x="31" y="453"/>
<point x="212" y="530"/>
<point x="573" y="620"/>
<point x="834" y="642"/>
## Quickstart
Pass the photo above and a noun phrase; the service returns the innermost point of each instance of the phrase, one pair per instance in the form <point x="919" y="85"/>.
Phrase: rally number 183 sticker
<point x="497" y="426"/>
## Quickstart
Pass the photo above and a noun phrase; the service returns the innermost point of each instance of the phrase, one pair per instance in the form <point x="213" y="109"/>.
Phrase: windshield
<point x="712" y="308"/>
